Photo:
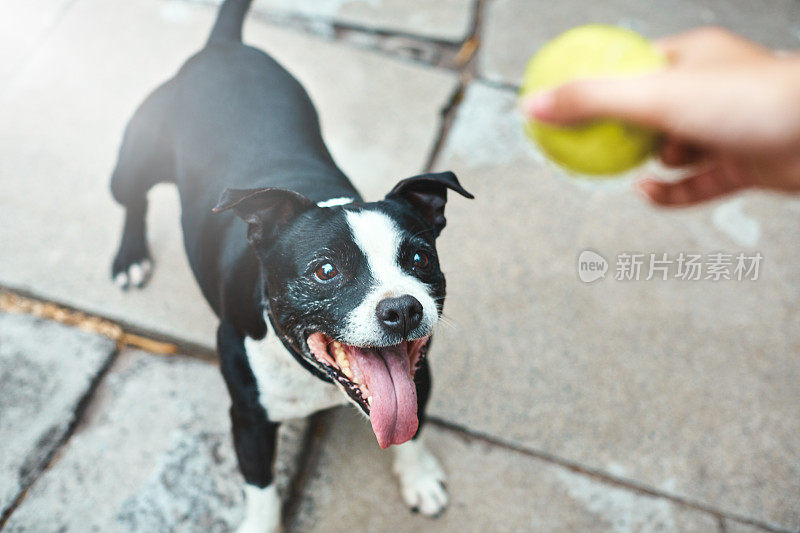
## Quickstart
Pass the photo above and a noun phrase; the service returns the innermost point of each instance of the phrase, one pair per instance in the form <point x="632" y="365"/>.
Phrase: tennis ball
<point x="601" y="147"/>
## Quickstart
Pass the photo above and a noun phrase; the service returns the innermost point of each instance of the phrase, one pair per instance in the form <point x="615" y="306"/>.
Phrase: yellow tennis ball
<point x="592" y="51"/>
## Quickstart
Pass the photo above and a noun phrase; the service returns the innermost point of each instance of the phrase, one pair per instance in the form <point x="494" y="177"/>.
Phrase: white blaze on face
<point x="379" y="239"/>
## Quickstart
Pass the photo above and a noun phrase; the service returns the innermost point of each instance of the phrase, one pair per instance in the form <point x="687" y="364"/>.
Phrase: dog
<point x="322" y="298"/>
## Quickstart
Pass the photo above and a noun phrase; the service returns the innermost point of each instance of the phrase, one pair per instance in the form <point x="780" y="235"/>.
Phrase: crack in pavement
<point x="81" y="407"/>
<point x="601" y="475"/>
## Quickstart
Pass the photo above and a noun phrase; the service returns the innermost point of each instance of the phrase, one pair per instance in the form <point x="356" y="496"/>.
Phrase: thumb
<point x="638" y="99"/>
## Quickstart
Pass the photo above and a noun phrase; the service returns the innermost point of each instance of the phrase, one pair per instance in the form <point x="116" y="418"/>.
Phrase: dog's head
<point x="358" y="287"/>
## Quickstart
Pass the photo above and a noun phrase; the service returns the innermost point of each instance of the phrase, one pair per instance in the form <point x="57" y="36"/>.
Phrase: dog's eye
<point x="325" y="272"/>
<point x="420" y="261"/>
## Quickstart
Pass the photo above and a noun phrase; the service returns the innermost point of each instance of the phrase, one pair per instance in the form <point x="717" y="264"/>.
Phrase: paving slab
<point x="24" y="25"/>
<point x="491" y="489"/>
<point x="689" y="387"/>
<point x="46" y="370"/>
<point x="445" y="20"/>
<point x="153" y="453"/>
<point x="61" y="121"/>
<point x="513" y="30"/>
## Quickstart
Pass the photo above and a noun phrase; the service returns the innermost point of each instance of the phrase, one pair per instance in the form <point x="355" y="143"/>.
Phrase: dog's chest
<point x="286" y="389"/>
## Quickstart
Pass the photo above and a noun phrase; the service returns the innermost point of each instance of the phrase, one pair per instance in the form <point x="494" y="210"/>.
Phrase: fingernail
<point x="539" y="105"/>
<point x="644" y="188"/>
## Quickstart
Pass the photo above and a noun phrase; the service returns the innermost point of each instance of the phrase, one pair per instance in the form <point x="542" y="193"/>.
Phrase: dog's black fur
<point x="234" y="130"/>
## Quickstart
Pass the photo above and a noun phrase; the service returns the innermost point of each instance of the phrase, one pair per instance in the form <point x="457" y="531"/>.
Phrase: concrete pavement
<point x="619" y="406"/>
<point x="45" y="372"/>
<point x="152" y="453"/>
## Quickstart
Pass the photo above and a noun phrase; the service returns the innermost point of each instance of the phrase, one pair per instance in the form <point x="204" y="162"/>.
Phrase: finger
<point x="707" y="46"/>
<point x="675" y="153"/>
<point x="736" y="173"/>
<point x="689" y="191"/>
<point x="677" y="102"/>
<point x="778" y="173"/>
<point x="635" y="99"/>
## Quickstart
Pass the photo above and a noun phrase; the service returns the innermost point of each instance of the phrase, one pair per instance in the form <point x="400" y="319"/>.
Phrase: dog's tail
<point x="228" y="27"/>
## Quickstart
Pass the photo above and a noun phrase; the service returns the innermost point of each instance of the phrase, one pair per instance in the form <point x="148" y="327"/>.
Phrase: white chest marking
<point x="285" y="388"/>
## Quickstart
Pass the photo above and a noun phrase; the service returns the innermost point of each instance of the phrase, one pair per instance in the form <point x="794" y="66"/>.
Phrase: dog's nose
<point x="399" y="315"/>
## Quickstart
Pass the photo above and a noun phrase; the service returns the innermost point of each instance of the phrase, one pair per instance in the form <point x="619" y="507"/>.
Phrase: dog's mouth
<point x="379" y="380"/>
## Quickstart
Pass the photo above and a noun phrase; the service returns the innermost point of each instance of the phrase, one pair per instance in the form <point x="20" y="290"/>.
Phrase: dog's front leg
<point x="254" y="435"/>
<point x="255" y="439"/>
<point x="422" y="480"/>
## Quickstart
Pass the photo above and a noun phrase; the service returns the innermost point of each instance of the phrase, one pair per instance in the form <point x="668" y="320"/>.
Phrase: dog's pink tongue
<point x="393" y="412"/>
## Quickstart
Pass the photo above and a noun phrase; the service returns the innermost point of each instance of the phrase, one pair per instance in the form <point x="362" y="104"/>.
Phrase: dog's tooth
<point x="369" y="400"/>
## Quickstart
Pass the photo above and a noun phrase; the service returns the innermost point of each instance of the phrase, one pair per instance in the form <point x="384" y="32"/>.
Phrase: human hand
<point x="728" y="107"/>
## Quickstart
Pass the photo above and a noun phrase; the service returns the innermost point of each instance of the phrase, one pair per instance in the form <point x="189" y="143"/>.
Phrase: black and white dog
<point x="351" y="290"/>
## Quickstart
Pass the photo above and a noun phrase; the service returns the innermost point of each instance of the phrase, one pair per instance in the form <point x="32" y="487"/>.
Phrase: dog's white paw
<point x="252" y="526"/>
<point x="422" y="480"/>
<point x="135" y="275"/>
<point x="263" y="510"/>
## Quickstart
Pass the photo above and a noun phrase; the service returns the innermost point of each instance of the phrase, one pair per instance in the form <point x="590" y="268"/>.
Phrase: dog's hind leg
<point x="422" y="480"/>
<point x="145" y="158"/>
<point x="254" y="435"/>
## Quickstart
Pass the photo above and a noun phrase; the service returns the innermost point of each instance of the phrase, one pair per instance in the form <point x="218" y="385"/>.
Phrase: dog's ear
<point x="427" y="193"/>
<point x="266" y="211"/>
